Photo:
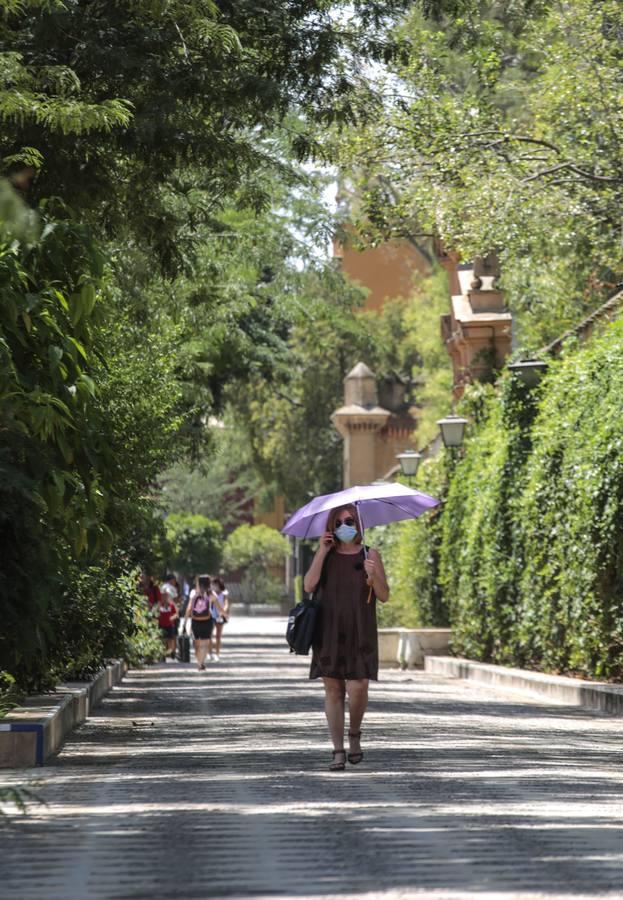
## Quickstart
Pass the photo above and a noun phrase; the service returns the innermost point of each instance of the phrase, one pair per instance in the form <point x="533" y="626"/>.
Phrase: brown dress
<point x="346" y="642"/>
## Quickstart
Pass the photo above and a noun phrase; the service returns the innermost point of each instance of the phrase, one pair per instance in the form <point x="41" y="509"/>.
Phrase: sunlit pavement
<point x="195" y="784"/>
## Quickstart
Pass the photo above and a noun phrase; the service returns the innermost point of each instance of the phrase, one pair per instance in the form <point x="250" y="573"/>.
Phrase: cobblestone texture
<point x="220" y="789"/>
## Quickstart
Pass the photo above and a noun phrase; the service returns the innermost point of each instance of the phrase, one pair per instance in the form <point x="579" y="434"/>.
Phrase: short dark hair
<point x="205" y="582"/>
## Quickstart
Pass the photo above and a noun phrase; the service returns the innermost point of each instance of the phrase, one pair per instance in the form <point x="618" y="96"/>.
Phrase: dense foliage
<point x="195" y="544"/>
<point x="73" y="456"/>
<point x="286" y="415"/>
<point x="145" y="116"/>
<point x="255" y="552"/>
<point x="148" y="141"/>
<point x="499" y="129"/>
<point x="411" y="556"/>
<point x="533" y="524"/>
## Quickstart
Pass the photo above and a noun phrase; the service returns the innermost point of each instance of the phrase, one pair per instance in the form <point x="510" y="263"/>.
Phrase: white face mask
<point x="346" y="533"/>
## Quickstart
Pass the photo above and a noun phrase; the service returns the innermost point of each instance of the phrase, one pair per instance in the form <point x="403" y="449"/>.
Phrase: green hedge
<point x="532" y="550"/>
<point x="98" y="617"/>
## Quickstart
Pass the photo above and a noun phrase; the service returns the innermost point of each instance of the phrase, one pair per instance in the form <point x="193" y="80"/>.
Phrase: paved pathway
<point x="191" y="785"/>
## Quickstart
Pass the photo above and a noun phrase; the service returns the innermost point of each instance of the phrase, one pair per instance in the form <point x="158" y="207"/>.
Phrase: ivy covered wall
<point x="410" y="552"/>
<point x="526" y="557"/>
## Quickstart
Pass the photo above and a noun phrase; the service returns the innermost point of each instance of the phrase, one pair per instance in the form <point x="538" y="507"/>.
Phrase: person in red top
<point x="168" y="616"/>
<point x="150" y="589"/>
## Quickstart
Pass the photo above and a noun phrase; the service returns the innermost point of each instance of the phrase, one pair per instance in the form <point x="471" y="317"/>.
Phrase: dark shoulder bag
<point x="303" y="619"/>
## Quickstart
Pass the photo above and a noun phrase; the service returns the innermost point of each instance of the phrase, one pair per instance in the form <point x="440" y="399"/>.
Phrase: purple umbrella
<point x="377" y="504"/>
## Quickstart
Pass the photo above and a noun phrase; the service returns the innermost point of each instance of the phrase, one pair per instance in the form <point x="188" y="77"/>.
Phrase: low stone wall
<point x="595" y="695"/>
<point x="257" y="609"/>
<point x="408" y="647"/>
<point x="34" y="732"/>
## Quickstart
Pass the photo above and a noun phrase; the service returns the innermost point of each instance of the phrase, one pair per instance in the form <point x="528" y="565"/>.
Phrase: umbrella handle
<point x="365" y="552"/>
<point x="363" y="530"/>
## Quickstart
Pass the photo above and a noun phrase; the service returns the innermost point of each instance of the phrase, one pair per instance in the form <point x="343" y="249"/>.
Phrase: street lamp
<point x="452" y="430"/>
<point x="530" y="371"/>
<point x="409" y="461"/>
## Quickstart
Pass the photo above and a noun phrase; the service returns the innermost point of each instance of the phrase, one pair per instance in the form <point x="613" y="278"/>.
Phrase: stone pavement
<point x="214" y="784"/>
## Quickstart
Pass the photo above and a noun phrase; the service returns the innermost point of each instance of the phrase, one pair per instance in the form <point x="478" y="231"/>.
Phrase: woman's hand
<point x="375" y="571"/>
<point x="312" y="576"/>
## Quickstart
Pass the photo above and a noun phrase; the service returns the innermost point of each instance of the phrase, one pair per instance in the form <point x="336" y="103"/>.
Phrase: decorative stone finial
<point x="360" y="387"/>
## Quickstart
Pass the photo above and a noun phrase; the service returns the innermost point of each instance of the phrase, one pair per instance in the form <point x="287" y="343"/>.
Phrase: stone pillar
<point x="359" y="421"/>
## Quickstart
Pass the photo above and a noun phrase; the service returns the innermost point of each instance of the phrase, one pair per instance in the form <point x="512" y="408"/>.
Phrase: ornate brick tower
<point x="373" y="434"/>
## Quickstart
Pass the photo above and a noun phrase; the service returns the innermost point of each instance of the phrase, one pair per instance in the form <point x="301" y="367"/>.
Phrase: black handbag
<point x="301" y="628"/>
<point x="304" y="618"/>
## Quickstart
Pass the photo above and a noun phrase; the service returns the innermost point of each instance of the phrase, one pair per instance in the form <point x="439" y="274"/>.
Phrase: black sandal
<point x="355" y="758"/>
<point x="337" y="766"/>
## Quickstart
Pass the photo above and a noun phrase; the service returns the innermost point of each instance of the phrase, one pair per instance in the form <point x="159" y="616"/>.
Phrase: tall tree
<point x="130" y="128"/>
<point x="145" y="116"/>
<point x="501" y="130"/>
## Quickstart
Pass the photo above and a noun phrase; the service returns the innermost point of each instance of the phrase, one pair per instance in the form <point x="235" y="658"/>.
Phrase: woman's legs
<point x="334" y="695"/>
<point x="357" y="690"/>
<point x="219" y="632"/>
<point x="201" y="651"/>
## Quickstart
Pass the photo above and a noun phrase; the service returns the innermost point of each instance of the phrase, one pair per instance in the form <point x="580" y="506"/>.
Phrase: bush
<point x="195" y="542"/>
<point x="255" y="550"/>
<point x="142" y="642"/>
<point x="101" y="618"/>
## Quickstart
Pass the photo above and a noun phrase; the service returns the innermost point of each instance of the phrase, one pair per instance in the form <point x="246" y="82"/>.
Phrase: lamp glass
<point x="409" y="461"/>
<point x="452" y="430"/>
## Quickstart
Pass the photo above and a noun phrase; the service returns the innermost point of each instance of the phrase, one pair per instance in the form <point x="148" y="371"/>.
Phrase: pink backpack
<point x="201" y="606"/>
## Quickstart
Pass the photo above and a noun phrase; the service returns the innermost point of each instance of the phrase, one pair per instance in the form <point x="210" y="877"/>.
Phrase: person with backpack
<point x="199" y="610"/>
<point x="347" y="579"/>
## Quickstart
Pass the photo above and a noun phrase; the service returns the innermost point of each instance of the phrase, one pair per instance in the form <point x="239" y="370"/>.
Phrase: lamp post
<point x="530" y="371"/>
<point x="452" y="430"/>
<point x="409" y="462"/>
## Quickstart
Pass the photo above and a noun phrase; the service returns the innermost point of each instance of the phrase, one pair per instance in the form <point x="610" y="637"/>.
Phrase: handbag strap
<point x="323" y="578"/>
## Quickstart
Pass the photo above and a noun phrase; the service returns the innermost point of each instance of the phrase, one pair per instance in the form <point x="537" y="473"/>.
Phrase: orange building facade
<point x="385" y="271"/>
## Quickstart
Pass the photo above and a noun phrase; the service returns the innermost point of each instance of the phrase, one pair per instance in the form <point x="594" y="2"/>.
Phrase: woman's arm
<point x="376" y="573"/>
<point x="312" y="576"/>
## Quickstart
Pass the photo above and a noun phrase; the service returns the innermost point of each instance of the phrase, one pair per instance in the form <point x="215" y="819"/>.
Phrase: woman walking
<point x="200" y="611"/>
<point x="345" y="650"/>
<point x="220" y="612"/>
<point x="168" y="616"/>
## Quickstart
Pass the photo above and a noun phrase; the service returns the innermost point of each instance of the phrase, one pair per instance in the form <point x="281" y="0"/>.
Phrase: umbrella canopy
<point x="377" y="504"/>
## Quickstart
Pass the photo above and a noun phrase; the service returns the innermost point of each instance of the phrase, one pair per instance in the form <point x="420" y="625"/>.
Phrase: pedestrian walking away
<point x="170" y="587"/>
<point x="167" y="622"/>
<point x="200" y="612"/>
<point x="150" y="589"/>
<point x="350" y="578"/>
<point x="220" y="613"/>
